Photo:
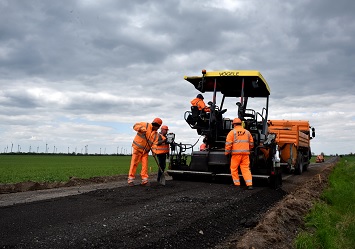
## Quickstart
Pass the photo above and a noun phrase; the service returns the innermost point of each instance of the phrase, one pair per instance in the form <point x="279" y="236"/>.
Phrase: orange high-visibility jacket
<point x="162" y="147"/>
<point x="203" y="147"/>
<point x="200" y="104"/>
<point x="239" y="141"/>
<point x="145" y="131"/>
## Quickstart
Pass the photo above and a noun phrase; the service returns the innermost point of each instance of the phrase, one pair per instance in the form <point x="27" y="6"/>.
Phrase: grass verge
<point x="331" y="222"/>
<point x="57" y="168"/>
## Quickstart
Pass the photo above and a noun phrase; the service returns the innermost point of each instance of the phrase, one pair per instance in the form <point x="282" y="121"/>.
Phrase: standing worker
<point x="145" y="140"/>
<point x="162" y="150"/>
<point x="239" y="142"/>
<point x="198" y="101"/>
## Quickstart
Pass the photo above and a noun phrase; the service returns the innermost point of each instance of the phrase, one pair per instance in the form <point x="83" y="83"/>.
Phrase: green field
<point x="53" y="168"/>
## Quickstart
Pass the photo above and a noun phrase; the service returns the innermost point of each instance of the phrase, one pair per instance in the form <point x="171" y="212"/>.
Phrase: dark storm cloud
<point x="19" y="99"/>
<point x="125" y="60"/>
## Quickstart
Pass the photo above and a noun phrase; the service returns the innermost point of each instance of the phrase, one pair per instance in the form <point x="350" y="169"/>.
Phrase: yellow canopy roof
<point x="229" y="82"/>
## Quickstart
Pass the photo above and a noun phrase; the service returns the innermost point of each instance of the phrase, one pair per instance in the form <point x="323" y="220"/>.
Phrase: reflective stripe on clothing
<point x="243" y="162"/>
<point x="144" y="131"/>
<point x="236" y="182"/>
<point x="138" y="157"/>
<point x="239" y="141"/>
<point x="239" y="151"/>
<point x="130" y="179"/>
<point x="162" y="147"/>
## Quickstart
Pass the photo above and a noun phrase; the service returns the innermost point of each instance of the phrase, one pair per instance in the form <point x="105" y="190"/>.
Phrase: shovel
<point x="162" y="178"/>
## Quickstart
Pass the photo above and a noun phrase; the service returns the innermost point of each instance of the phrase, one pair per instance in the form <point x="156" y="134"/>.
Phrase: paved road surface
<point x="179" y="215"/>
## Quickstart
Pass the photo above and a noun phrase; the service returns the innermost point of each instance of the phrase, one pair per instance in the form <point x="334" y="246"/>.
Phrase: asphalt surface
<point x="181" y="214"/>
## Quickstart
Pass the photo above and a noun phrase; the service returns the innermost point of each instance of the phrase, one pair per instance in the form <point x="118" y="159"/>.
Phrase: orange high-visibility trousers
<point x="138" y="157"/>
<point x="242" y="161"/>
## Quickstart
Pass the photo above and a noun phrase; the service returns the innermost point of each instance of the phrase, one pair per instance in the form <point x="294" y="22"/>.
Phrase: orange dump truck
<point x="293" y="140"/>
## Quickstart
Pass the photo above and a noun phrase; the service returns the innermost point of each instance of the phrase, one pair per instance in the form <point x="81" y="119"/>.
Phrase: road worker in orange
<point x="145" y="140"/>
<point x="162" y="150"/>
<point x="239" y="142"/>
<point x="204" y="145"/>
<point x="198" y="101"/>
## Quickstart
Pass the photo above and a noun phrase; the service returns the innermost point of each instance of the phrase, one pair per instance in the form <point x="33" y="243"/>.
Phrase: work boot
<point x="250" y="188"/>
<point x="145" y="184"/>
<point x="131" y="184"/>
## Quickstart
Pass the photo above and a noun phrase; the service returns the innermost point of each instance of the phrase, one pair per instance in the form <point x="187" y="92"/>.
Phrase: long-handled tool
<point x="162" y="177"/>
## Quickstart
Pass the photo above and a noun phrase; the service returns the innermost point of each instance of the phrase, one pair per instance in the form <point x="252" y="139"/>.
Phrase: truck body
<point x="293" y="140"/>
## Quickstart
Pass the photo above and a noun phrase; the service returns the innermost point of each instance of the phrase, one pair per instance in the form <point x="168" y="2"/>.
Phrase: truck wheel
<point x="299" y="168"/>
<point x="275" y="181"/>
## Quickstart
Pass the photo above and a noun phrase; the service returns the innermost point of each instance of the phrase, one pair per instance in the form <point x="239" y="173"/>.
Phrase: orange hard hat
<point x="237" y="121"/>
<point x="157" y="121"/>
<point x="164" y="127"/>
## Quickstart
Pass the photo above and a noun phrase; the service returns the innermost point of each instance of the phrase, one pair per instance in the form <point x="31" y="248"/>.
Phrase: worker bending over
<point x="145" y="140"/>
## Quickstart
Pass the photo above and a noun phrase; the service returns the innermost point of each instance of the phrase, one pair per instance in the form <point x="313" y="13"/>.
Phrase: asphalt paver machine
<point x="241" y="93"/>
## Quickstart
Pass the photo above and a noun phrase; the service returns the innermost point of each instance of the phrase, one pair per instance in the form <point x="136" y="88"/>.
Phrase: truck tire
<point x="299" y="168"/>
<point x="275" y="181"/>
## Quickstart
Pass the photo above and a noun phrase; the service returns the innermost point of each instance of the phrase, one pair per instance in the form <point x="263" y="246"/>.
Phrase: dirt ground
<point x="281" y="224"/>
<point x="108" y="214"/>
<point x="73" y="181"/>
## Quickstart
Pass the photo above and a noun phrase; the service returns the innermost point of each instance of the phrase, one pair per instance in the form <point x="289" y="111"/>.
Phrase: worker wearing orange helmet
<point x="145" y="140"/>
<point x="239" y="142"/>
<point x="198" y="101"/>
<point x="162" y="150"/>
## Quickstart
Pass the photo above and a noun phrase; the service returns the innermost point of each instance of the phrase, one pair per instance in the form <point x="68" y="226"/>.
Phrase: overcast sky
<point x="78" y="74"/>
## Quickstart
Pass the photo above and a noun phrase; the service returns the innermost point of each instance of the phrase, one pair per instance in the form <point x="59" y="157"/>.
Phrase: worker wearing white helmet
<point x="239" y="142"/>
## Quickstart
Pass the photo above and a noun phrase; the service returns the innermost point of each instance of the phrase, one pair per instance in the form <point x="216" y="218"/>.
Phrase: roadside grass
<point x="331" y="222"/>
<point x="53" y="168"/>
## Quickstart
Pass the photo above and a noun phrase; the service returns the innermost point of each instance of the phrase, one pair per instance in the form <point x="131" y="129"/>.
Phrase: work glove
<point x="143" y="130"/>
